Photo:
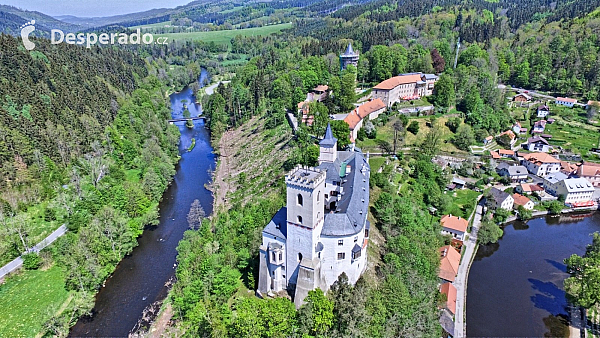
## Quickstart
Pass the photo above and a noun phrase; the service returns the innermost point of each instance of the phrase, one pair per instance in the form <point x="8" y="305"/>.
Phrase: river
<point x="139" y="279"/>
<point x="515" y="286"/>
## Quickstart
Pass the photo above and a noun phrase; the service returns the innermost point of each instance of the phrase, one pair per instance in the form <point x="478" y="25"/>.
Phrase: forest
<point x="85" y="143"/>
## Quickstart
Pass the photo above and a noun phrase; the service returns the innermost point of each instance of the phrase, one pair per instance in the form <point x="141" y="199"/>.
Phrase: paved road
<point x="16" y="263"/>
<point x="463" y="274"/>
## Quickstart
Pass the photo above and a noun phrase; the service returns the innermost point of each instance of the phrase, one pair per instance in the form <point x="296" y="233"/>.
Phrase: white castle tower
<point x="323" y="229"/>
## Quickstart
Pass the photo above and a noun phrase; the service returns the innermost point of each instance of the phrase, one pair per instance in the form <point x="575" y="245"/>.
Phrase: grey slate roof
<point x="280" y="219"/>
<point x="536" y="139"/>
<point x="517" y="170"/>
<point x="498" y="195"/>
<point x="328" y="140"/>
<point x="349" y="51"/>
<point x="430" y="76"/>
<point x="351" y="214"/>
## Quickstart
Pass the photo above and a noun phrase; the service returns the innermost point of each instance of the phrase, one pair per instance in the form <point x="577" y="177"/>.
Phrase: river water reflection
<point x="515" y="286"/>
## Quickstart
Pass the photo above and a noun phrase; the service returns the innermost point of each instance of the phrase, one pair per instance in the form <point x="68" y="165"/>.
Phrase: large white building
<point x="541" y="164"/>
<point x="575" y="190"/>
<point x="323" y="230"/>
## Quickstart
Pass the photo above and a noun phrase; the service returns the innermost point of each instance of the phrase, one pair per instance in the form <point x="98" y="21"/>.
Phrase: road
<point x="211" y="89"/>
<point x="16" y="263"/>
<point x="463" y="274"/>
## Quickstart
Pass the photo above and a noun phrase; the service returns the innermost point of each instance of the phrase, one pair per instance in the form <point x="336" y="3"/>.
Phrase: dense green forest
<point x="85" y="142"/>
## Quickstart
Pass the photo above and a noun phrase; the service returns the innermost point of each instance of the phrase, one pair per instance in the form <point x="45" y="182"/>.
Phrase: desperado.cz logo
<point x="89" y="39"/>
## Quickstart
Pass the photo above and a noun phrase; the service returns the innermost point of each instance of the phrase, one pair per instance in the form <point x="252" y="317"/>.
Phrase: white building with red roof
<point x="455" y="226"/>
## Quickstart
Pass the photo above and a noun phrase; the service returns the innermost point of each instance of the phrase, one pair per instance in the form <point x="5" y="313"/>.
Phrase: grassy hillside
<point x="225" y="36"/>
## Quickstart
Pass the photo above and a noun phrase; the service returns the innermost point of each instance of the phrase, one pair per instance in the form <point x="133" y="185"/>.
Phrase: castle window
<point x="299" y="257"/>
<point x="367" y="233"/>
<point x="341" y="255"/>
<point x="341" y="242"/>
<point x="318" y="194"/>
<point x="300" y="199"/>
<point x="300" y="219"/>
<point x="280" y="256"/>
<point x="274" y="259"/>
<point x="356" y="254"/>
<point x="355" y="239"/>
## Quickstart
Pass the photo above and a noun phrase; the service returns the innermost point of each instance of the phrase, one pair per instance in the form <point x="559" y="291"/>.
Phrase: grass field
<point x="29" y="299"/>
<point x="224" y="37"/>
<point x="386" y="133"/>
<point x="463" y="202"/>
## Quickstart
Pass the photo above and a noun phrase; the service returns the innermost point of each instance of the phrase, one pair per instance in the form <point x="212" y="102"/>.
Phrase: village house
<point x="576" y="190"/>
<point x="565" y="101"/>
<point x="349" y="57"/>
<point x="455" y="226"/>
<point x="319" y="93"/>
<point x="450" y="259"/>
<point x="404" y="87"/>
<point x="518" y="129"/>
<point x="537" y="144"/>
<point x="522" y="97"/>
<point x="541" y="164"/>
<point x="506" y="153"/>
<point x="323" y="230"/>
<point x="355" y="118"/>
<point x="500" y="199"/>
<point x="516" y="173"/>
<point x="449" y="290"/>
<point x="539" y="126"/>
<point x="528" y="189"/>
<point x="570" y="169"/>
<point x="488" y="140"/>
<point x="590" y="171"/>
<point x="543" y="111"/>
<point x="522" y="201"/>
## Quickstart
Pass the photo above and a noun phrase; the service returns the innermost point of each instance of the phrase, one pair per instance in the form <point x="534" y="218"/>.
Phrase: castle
<point x="323" y="230"/>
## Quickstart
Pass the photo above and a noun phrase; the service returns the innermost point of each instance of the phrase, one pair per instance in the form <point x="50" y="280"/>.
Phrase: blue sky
<point x="91" y="8"/>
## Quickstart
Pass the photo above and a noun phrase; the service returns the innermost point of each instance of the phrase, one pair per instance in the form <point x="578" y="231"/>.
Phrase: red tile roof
<point x="450" y="291"/>
<point x="566" y="99"/>
<point x="450" y="259"/>
<point x="520" y="199"/>
<point x="506" y="152"/>
<point x="540" y="158"/>
<point x="454" y="223"/>
<point x="395" y="81"/>
<point x="321" y="88"/>
<point x="352" y="119"/>
<point x="370" y="107"/>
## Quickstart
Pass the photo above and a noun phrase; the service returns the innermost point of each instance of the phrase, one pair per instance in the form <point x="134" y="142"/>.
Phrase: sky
<point x="92" y="8"/>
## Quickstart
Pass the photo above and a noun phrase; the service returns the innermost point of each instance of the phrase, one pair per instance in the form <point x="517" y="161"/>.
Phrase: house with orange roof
<point x="569" y="168"/>
<point x="591" y="172"/>
<point x="523" y="201"/>
<point x="541" y="164"/>
<point x="566" y="101"/>
<point x="455" y="226"/>
<point x="528" y="189"/>
<point x="370" y="109"/>
<point x="449" y="290"/>
<point x="449" y="261"/>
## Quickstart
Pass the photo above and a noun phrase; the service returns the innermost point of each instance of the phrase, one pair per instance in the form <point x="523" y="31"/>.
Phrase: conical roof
<point x="349" y="50"/>
<point x="328" y="140"/>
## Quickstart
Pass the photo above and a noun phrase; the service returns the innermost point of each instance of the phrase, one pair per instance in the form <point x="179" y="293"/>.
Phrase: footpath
<point x="18" y="262"/>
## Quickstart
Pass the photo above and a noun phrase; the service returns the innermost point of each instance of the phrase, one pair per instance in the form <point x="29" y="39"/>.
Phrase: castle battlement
<point x="306" y="177"/>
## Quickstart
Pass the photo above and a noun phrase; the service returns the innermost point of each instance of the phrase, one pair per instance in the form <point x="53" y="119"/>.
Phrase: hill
<point x="11" y="18"/>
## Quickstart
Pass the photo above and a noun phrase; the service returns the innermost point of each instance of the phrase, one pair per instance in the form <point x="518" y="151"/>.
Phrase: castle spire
<point x="328" y="140"/>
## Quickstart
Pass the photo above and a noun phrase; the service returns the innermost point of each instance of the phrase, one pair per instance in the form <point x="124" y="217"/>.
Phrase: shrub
<point x="32" y="261"/>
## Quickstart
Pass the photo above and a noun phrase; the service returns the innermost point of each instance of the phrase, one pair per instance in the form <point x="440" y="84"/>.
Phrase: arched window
<point x="300" y="219"/>
<point x="300" y="199"/>
<point x="299" y="257"/>
<point x="318" y="193"/>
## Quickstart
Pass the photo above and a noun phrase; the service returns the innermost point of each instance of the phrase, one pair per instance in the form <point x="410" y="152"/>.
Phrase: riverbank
<point x="460" y="331"/>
